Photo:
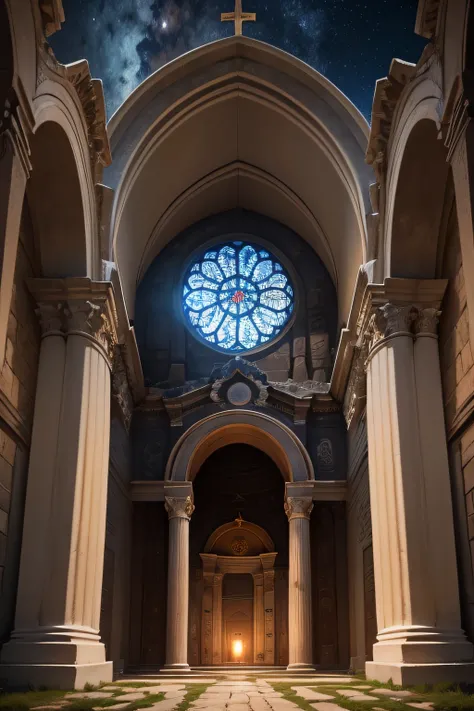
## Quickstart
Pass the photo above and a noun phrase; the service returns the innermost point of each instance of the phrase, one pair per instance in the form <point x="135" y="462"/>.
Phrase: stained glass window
<point x="237" y="297"/>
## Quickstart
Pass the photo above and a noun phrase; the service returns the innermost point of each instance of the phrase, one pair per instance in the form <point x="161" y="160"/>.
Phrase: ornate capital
<point x="78" y="307"/>
<point x="426" y="322"/>
<point x="121" y="391"/>
<point x="356" y="388"/>
<point x="179" y="507"/>
<point x="52" y="16"/>
<point x="298" y="507"/>
<point x="91" y="318"/>
<point x="398" y="319"/>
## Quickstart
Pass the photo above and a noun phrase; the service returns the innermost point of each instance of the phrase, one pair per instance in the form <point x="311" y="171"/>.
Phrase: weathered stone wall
<point x="361" y="590"/>
<point x="17" y="392"/>
<point x="458" y="390"/>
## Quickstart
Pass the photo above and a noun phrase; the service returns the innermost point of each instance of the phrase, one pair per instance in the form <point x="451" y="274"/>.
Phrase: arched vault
<point x="238" y="123"/>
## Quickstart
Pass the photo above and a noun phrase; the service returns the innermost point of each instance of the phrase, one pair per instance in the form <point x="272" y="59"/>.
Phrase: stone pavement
<point x="247" y="693"/>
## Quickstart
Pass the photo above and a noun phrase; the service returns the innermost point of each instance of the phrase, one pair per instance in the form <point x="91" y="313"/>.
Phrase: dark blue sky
<point x="349" y="41"/>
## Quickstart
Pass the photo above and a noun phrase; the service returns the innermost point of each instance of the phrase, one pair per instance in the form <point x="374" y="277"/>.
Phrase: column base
<point x="55" y="659"/>
<point x="300" y="667"/>
<point x="55" y="676"/>
<point x="176" y="668"/>
<point x="403" y="674"/>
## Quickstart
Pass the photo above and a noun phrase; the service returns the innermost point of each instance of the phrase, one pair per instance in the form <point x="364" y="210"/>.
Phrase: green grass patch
<point x="25" y="700"/>
<point x="193" y="692"/>
<point x="87" y="704"/>
<point x="444" y="697"/>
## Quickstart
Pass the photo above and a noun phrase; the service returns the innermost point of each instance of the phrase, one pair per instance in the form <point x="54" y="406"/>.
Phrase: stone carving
<point x="51" y="318"/>
<point x="324" y="455"/>
<point x="239" y="371"/>
<point x="52" y="16"/>
<point x="239" y="546"/>
<point x="298" y="507"/>
<point x="356" y="387"/>
<point x="426" y="323"/>
<point x="91" y="95"/>
<point x="179" y="507"/>
<point x="120" y="388"/>
<point x="91" y="319"/>
<point x="399" y="319"/>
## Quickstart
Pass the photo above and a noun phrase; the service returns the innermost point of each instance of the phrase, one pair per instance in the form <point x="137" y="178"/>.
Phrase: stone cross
<point x="238" y="17"/>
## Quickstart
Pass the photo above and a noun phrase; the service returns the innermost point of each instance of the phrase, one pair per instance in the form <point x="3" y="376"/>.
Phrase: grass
<point x="444" y="697"/>
<point x="22" y="701"/>
<point x="27" y="700"/>
<point x="193" y="692"/>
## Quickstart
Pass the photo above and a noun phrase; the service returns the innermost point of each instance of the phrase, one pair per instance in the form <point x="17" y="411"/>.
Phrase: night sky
<point x="351" y="42"/>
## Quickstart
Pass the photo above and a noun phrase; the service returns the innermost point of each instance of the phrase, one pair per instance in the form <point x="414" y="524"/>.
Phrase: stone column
<point x="419" y="629"/>
<point x="269" y="605"/>
<point x="209" y="566"/>
<point x="56" y="639"/>
<point x="259" y="619"/>
<point x="179" y="511"/>
<point x="298" y="510"/>
<point x="217" y="618"/>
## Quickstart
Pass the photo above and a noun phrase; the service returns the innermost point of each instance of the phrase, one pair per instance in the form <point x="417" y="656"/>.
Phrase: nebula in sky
<point x="351" y="42"/>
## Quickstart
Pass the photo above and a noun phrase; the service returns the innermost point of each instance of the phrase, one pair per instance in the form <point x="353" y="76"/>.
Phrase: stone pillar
<point x="56" y="639"/>
<point x="269" y="608"/>
<point x="419" y="629"/>
<point x="217" y="618"/>
<point x="298" y="509"/>
<point x="179" y="511"/>
<point x="259" y="619"/>
<point x="209" y="566"/>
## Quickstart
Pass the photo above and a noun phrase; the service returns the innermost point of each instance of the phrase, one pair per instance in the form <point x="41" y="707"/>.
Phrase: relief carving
<point x="179" y="507"/>
<point x="298" y="507"/>
<point x="324" y="455"/>
<point x="121" y="389"/>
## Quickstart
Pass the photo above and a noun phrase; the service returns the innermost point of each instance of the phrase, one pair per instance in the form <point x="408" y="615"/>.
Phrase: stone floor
<point x="247" y="693"/>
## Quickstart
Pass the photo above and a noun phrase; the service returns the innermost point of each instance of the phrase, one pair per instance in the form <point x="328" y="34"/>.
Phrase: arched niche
<point x="417" y="208"/>
<point x="252" y="540"/>
<point x="245" y="427"/>
<point x="56" y="204"/>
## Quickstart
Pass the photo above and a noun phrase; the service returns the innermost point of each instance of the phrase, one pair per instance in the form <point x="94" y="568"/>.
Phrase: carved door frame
<point x="261" y="568"/>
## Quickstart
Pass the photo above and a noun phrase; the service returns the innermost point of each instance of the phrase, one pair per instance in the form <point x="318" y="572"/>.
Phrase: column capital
<point x="78" y="306"/>
<point x="426" y="322"/>
<point x="179" y="507"/>
<point x="298" y="507"/>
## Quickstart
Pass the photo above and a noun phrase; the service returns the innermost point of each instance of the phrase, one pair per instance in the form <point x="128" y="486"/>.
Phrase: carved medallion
<point x="239" y="546"/>
<point x="239" y="394"/>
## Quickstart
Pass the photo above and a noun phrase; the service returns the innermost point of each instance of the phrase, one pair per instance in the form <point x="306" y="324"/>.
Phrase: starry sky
<point x="351" y="42"/>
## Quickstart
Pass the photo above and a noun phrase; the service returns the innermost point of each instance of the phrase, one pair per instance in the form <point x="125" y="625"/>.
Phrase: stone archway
<point x="244" y="426"/>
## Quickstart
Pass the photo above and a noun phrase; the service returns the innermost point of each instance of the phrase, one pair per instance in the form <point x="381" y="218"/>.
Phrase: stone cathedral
<point x="236" y="346"/>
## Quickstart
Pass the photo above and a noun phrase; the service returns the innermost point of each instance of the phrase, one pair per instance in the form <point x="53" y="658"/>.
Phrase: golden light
<point x="237" y="648"/>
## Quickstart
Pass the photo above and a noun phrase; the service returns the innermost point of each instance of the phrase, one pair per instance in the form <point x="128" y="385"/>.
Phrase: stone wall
<point x="17" y="393"/>
<point x="361" y="590"/>
<point x="458" y="391"/>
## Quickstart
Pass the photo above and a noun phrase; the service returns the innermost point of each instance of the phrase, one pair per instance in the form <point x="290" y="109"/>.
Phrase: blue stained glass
<point x="237" y="297"/>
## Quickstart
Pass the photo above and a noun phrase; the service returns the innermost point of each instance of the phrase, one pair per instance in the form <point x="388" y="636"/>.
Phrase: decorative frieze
<point x="179" y="507"/>
<point x="91" y="95"/>
<point x="298" y="507"/>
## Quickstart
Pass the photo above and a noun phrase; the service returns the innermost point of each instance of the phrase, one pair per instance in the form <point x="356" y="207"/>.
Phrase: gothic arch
<point x="243" y="426"/>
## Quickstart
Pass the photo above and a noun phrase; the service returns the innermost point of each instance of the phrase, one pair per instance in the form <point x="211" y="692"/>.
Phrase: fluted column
<point x="258" y="619"/>
<point x="298" y="510"/>
<point x="419" y="628"/>
<point x="56" y="639"/>
<point x="179" y="513"/>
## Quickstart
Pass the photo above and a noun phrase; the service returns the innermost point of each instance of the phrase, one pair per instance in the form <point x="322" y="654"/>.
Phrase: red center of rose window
<point x="238" y="297"/>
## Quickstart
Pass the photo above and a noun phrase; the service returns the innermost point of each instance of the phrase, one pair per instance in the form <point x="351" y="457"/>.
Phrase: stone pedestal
<point x="298" y="510"/>
<point x="179" y="510"/>
<point x="419" y="629"/>
<point x="56" y="640"/>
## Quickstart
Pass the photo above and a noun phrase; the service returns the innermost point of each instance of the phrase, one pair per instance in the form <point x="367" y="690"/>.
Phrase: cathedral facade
<point x="237" y="383"/>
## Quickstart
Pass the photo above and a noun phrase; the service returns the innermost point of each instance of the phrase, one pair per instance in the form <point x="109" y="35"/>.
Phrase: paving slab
<point x="327" y="706"/>
<point x="423" y="705"/>
<point x="135" y="696"/>
<point x="237" y="707"/>
<point x="89" y="695"/>
<point x="258" y="703"/>
<point x="116" y="707"/>
<point x="392" y="693"/>
<point x="311" y="694"/>
<point x="312" y="680"/>
<point x="281" y="704"/>
<point x="355" y="695"/>
<point x="166" y="705"/>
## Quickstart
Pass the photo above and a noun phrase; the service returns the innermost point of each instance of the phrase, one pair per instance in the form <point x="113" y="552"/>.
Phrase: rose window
<point x="237" y="297"/>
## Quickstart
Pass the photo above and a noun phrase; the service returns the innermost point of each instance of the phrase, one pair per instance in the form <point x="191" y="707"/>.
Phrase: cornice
<point x="52" y="16"/>
<point x="427" y="18"/>
<point x="17" y="123"/>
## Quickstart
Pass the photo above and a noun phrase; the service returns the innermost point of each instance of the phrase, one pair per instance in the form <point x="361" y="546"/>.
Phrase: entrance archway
<point x="238" y="576"/>
<point x="246" y="427"/>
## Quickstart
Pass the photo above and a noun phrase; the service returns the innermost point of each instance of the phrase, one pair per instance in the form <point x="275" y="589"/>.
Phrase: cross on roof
<point x="238" y="17"/>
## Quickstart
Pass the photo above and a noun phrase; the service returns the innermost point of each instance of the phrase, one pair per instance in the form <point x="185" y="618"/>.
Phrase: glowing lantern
<point x="237" y="648"/>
